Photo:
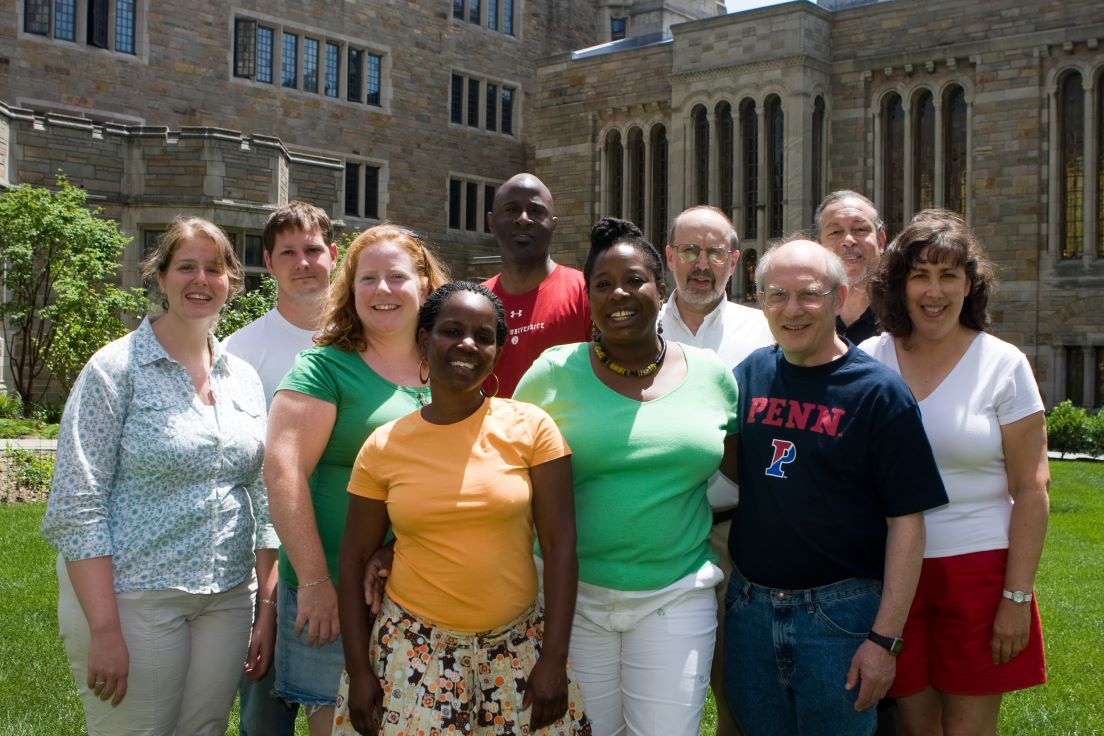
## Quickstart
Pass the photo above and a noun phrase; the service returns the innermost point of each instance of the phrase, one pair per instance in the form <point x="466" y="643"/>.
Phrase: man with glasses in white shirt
<point x="702" y="253"/>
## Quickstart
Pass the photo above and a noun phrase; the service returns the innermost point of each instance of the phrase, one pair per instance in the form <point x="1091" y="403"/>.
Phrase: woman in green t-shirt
<point x="649" y="423"/>
<point x="363" y="373"/>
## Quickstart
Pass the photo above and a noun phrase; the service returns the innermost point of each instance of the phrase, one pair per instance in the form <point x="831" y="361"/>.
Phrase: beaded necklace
<point x="631" y="372"/>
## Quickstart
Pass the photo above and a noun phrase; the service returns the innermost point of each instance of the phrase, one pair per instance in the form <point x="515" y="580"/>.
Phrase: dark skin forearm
<point x="554" y="516"/>
<point x="364" y="532"/>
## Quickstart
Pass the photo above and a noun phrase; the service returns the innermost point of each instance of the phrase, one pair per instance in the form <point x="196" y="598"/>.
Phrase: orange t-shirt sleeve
<point x="362" y="482"/>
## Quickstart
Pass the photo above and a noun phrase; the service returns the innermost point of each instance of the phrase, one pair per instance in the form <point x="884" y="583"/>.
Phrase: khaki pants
<point x="186" y="654"/>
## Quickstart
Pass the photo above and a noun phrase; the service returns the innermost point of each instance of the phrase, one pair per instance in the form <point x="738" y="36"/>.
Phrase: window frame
<point x="459" y="208"/>
<point x="104" y="36"/>
<point x="468" y="105"/>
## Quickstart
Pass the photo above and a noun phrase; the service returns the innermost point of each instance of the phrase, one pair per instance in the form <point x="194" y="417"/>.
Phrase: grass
<point x="36" y="685"/>
<point x="15" y="428"/>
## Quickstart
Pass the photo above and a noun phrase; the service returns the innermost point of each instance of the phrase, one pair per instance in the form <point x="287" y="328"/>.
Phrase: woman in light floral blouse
<point x="158" y="510"/>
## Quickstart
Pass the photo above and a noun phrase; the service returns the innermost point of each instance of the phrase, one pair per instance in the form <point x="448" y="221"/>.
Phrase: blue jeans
<point x="787" y="653"/>
<point x="306" y="675"/>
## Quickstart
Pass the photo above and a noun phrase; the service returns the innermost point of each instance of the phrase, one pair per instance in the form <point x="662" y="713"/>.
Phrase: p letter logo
<point x="785" y="452"/>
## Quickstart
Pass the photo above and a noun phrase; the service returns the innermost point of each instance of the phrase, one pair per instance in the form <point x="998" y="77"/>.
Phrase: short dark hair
<point x="941" y="237"/>
<point x="611" y="231"/>
<point x="431" y="309"/>
<point x="296" y="215"/>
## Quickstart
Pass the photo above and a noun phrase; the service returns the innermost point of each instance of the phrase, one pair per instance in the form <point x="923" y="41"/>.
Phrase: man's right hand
<point x="375" y="576"/>
<point x="317" y="614"/>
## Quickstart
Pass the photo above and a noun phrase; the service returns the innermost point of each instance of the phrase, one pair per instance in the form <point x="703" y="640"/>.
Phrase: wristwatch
<point x="892" y="644"/>
<point x="1017" y="596"/>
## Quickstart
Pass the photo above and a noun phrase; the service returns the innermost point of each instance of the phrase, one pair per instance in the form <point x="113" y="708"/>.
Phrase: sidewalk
<point x="31" y="443"/>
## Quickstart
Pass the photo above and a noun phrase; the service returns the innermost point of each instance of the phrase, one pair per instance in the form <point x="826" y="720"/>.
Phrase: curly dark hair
<point x="934" y="236"/>
<point x="431" y="309"/>
<point x="611" y="231"/>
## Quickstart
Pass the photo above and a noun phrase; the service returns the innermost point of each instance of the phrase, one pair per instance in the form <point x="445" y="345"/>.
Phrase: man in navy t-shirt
<point x="835" y="474"/>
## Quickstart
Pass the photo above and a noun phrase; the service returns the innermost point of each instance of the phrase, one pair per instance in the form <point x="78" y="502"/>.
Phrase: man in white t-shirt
<point x="300" y="253"/>
<point x="702" y="253"/>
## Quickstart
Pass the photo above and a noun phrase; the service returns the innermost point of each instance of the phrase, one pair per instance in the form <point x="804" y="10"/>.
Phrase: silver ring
<point x="100" y="682"/>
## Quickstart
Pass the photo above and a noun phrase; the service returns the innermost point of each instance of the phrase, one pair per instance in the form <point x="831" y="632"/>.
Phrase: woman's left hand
<point x="1011" y="630"/>
<point x="546" y="693"/>
<point x="262" y="642"/>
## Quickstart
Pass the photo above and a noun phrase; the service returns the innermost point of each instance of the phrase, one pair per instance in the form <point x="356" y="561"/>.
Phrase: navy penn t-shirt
<point x="826" y="454"/>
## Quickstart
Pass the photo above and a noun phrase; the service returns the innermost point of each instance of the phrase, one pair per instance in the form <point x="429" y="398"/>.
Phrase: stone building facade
<point x="993" y="109"/>
<point x="414" y="112"/>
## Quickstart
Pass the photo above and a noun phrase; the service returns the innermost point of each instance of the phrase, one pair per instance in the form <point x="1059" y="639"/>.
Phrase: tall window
<point x="473" y="103"/>
<point x="333" y="68"/>
<point x="458" y="9"/>
<point x="658" y="150"/>
<point x="893" y="157"/>
<point x="1075" y="375"/>
<point x="310" y="65"/>
<point x="615" y="168"/>
<point x="491" y="117"/>
<point x="700" y="118"/>
<point x="1100" y="188"/>
<point x="726" y="159"/>
<point x="124" y="26"/>
<point x="456" y="99"/>
<point x="473" y="11"/>
<point x="635" y="155"/>
<point x="353" y="80"/>
<point x="471" y="206"/>
<point x="923" y="152"/>
<point x="289" y="50"/>
<point x="749" y="260"/>
<point x="36" y="17"/>
<point x="1071" y="162"/>
<point x="776" y="147"/>
<point x="817" y="168"/>
<point x="373" y="78"/>
<point x="65" y="20"/>
<point x="507" y="111"/>
<point x="749" y="146"/>
<point x="954" y="150"/>
<point x="508" y="17"/>
<point x="499" y="15"/>
<point x="265" y="39"/>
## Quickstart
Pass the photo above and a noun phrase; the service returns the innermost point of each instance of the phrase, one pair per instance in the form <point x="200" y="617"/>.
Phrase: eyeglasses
<point x="689" y="253"/>
<point x="807" y="298"/>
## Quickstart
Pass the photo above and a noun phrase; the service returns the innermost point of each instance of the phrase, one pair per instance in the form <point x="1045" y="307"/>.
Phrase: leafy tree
<point x="60" y="303"/>
<point x="1095" y="426"/>
<point x="246" y="307"/>
<point x="1067" y="428"/>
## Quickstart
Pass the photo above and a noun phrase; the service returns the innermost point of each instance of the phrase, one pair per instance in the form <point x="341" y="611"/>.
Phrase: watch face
<point x="1018" y="596"/>
<point x="897" y="646"/>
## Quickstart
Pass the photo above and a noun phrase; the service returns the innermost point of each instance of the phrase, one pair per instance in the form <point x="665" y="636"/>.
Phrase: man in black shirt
<point x="848" y="224"/>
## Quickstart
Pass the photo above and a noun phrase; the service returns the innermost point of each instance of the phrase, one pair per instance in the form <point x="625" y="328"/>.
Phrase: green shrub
<point x="1095" y="425"/>
<point x="1067" y="428"/>
<point x="11" y="406"/>
<point x="27" y="474"/>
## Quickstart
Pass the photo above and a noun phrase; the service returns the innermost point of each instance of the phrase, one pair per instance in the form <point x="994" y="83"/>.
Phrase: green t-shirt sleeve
<point x="731" y="393"/>
<point x="536" y="384"/>
<point x="312" y="374"/>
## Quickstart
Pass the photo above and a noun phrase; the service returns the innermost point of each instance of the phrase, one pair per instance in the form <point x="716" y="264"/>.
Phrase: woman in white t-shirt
<point x="973" y="632"/>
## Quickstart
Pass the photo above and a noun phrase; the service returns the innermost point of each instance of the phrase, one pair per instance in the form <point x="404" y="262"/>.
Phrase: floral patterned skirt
<point x="437" y="681"/>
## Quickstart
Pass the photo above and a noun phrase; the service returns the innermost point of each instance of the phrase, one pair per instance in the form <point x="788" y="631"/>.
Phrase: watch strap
<point x="892" y="644"/>
<point x="1017" y="596"/>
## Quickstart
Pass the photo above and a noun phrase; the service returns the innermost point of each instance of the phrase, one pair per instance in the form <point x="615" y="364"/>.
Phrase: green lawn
<point x="40" y="697"/>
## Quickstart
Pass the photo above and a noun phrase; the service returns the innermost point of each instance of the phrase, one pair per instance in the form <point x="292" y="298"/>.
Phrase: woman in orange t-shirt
<point x="460" y="640"/>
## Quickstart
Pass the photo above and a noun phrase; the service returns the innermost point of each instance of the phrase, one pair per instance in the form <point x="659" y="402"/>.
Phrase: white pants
<point x="642" y="658"/>
<point x="186" y="656"/>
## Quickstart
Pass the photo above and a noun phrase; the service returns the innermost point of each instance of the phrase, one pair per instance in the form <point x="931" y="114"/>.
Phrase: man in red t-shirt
<point x="546" y="303"/>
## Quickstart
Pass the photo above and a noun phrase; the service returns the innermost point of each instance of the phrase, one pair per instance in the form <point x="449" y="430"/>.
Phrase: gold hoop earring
<point x="494" y="393"/>
<point x="424" y="379"/>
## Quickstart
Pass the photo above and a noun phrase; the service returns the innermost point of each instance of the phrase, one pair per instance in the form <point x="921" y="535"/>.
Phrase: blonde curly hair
<point x="340" y="324"/>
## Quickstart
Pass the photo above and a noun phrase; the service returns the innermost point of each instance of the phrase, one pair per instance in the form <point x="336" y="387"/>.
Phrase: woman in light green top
<point x="649" y="423"/>
<point x="363" y="373"/>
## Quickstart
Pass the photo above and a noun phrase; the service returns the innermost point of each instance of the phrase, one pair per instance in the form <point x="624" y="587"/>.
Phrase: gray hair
<point x="839" y="195"/>
<point x="834" y="272"/>
<point x="733" y="240"/>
